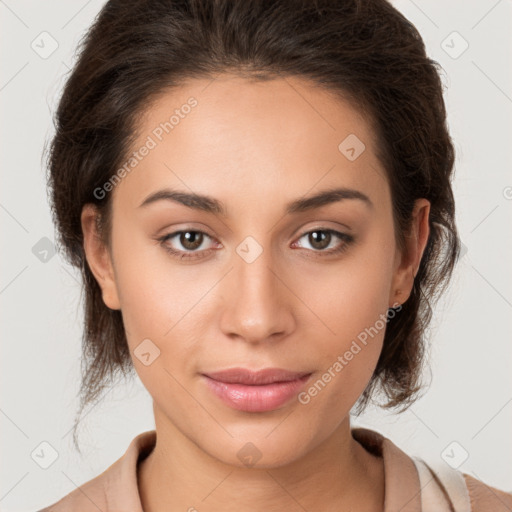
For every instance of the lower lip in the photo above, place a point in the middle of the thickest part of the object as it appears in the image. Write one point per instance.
(256, 398)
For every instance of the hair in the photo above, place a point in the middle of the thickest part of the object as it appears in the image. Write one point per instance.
(363, 50)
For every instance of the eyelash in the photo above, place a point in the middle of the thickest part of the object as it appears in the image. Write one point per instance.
(348, 239)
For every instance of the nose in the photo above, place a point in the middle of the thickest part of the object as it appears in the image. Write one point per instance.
(259, 307)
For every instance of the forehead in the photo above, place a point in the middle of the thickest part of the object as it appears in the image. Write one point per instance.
(230, 133)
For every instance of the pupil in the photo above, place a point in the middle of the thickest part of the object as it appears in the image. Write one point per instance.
(191, 239)
(324, 236)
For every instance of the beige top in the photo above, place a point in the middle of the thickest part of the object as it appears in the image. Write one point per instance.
(115, 490)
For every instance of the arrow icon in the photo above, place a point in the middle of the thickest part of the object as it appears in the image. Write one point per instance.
(44, 455)
(44, 250)
(454, 45)
(351, 147)
(146, 352)
(247, 252)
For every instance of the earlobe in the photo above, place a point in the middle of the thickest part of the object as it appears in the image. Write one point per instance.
(98, 256)
(409, 260)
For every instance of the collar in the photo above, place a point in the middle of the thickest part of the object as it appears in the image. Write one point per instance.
(116, 488)
(402, 491)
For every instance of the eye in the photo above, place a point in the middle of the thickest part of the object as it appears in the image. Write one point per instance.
(190, 240)
(321, 239)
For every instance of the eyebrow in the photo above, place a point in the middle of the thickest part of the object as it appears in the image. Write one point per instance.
(210, 205)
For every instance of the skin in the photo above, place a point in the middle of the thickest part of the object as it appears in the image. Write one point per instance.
(255, 147)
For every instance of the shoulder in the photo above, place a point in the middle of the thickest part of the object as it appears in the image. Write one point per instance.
(484, 497)
(88, 496)
(113, 490)
(426, 486)
(459, 491)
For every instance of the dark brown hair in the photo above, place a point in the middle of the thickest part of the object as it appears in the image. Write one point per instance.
(364, 50)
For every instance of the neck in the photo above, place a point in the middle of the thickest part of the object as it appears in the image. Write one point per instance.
(339, 474)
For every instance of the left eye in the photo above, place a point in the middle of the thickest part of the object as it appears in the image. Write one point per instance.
(320, 240)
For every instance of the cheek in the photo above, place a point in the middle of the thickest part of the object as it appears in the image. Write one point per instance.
(153, 294)
(164, 303)
(347, 357)
(350, 297)
(351, 300)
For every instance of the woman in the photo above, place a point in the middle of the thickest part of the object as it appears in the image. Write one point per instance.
(258, 195)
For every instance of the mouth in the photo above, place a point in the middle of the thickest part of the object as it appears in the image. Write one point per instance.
(255, 391)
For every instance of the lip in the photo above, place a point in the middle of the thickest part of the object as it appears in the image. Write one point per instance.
(255, 391)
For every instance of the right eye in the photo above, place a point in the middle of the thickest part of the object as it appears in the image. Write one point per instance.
(191, 240)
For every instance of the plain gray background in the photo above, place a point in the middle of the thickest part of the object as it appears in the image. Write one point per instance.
(467, 411)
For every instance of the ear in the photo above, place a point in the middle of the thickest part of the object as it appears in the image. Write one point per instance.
(98, 256)
(408, 260)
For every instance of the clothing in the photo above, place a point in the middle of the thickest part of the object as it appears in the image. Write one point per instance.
(115, 490)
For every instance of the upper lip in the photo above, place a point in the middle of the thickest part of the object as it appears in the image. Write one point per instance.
(254, 378)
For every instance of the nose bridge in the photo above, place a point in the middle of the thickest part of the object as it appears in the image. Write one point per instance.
(253, 266)
(257, 308)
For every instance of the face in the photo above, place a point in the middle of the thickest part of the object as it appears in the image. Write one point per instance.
(258, 275)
